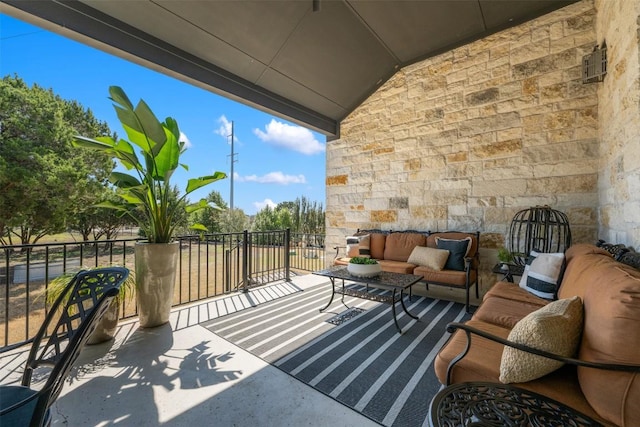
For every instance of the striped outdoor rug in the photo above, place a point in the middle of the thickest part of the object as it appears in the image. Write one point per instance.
(362, 362)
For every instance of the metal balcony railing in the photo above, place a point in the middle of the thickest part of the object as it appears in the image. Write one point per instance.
(209, 265)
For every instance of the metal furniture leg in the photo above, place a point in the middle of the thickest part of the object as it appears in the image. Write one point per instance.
(404, 307)
(393, 309)
(333, 292)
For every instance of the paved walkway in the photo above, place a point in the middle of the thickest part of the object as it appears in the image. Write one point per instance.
(182, 374)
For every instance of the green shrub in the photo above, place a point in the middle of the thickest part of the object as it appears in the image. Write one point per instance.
(504, 255)
(362, 260)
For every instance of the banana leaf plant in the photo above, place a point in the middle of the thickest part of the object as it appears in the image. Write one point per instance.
(146, 192)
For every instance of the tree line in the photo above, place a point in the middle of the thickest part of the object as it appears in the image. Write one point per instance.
(49, 187)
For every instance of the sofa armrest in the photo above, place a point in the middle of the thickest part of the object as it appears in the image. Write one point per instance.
(470, 330)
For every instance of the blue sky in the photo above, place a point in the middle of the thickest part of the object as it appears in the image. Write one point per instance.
(276, 160)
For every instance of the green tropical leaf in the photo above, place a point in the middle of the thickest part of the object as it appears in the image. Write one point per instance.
(111, 205)
(199, 227)
(118, 96)
(127, 155)
(123, 180)
(201, 204)
(94, 144)
(195, 183)
(166, 159)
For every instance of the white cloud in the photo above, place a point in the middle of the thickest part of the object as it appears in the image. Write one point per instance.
(266, 202)
(291, 137)
(272, 178)
(183, 137)
(224, 130)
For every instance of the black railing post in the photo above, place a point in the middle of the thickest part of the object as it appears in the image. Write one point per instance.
(227, 269)
(287, 254)
(245, 260)
(7, 270)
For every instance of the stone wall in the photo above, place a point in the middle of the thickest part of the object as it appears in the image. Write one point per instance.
(619, 122)
(464, 140)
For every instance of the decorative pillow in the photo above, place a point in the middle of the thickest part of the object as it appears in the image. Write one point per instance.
(555, 328)
(542, 273)
(432, 258)
(458, 250)
(358, 246)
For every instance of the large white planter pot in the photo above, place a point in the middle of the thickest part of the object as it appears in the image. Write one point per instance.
(156, 267)
(364, 270)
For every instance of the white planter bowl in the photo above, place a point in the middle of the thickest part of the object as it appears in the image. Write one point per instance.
(364, 270)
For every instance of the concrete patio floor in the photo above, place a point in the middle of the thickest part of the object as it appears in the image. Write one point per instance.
(182, 374)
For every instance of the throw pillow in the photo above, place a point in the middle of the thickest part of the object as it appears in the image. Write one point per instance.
(458, 250)
(358, 246)
(555, 328)
(432, 258)
(542, 274)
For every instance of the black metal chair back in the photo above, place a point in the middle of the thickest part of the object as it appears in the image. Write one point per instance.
(78, 310)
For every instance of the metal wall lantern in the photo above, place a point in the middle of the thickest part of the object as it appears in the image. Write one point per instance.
(594, 65)
(539, 228)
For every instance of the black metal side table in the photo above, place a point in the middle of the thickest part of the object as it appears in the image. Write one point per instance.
(513, 270)
(493, 404)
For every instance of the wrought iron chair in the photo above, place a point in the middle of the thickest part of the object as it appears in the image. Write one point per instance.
(73, 316)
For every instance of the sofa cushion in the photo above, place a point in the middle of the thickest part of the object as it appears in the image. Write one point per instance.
(611, 335)
(562, 385)
(396, 266)
(482, 363)
(358, 246)
(447, 277)
(582, 261)
(555, 327)
(584, 249)
(376, 245)
(432, 258)
(458, 250)
(513, 292)
(503, 312)
(398, 246)
(542, 274)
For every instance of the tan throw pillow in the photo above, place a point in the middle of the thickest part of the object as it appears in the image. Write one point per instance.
(432, 258)
(555, 328)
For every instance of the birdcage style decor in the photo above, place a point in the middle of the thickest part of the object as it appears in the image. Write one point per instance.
(540, 229)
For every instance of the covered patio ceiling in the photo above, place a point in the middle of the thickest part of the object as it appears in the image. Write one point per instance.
(309, 61)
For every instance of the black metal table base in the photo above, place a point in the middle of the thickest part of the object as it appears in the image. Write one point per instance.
(494, 404)
(390, 299)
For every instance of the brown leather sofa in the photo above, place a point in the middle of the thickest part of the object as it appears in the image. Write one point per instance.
(603, 379)
(393, 249)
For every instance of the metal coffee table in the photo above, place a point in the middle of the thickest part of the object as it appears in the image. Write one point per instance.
(397, 283)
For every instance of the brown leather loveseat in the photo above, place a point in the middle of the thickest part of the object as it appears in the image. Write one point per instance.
(396, 252)
(602, 378)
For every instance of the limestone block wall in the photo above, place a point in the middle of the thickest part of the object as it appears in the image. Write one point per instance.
(619, 122)
(464, 140)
